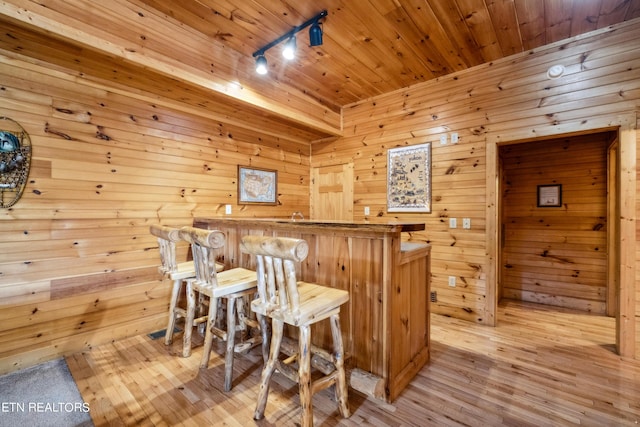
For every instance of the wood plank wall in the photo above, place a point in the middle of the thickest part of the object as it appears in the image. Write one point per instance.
(556, 255)
(504, 101)
(77, 263)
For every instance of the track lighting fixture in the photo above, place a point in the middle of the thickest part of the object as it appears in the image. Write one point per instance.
(315, 39)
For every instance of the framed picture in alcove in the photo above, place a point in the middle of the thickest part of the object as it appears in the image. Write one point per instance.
(550, 196)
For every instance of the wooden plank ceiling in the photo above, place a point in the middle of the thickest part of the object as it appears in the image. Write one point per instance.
(198, 53)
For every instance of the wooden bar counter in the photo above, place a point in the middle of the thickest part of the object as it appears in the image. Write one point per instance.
(386, 321)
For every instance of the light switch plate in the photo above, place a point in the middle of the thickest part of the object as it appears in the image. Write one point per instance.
(454, 138)
(453, 223)
(227, 209)
(366, 210)
(452, 281)
(443, 139)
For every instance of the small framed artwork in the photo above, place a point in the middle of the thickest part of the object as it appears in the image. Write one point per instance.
(550, 196)
(257, 186)
(409, 179)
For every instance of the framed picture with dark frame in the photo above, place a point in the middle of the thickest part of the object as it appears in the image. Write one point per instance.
(257, 186)
(550, 196)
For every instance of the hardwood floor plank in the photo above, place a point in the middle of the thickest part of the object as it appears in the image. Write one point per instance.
(541, 366)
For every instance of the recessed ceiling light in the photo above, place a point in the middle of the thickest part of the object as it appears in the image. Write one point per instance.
(555, 71)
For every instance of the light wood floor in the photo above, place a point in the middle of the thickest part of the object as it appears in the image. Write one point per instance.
(539, 367)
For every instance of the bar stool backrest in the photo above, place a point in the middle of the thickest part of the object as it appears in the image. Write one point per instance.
(203, 247)
(276, 259)
(167, 238)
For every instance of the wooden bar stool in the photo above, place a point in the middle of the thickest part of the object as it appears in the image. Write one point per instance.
(170, 268)
(179, 272)
(233, 285)
(286, 300)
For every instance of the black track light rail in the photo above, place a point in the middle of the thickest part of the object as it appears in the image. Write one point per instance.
(290, 34)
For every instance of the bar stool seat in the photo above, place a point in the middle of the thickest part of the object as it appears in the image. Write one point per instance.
(284, 299)
(177, 272)
(184, 270)
(234, 285)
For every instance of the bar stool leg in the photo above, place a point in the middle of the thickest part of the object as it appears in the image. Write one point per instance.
(342, 396)
(265, 331)
(188, 320)
(304, 375)
(269, 367)
(231, 333)
(208, 334)
(241, 316)
(200, 312)
(168, 336)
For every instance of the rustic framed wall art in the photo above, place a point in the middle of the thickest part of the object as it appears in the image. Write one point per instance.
(409, 179)
(257, 186)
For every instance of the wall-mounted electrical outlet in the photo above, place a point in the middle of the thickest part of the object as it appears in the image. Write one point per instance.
(452, 281)
(227, 209)
(366, 210)
(454, 138)
(443, 139)
(453, 223)
(466, 223)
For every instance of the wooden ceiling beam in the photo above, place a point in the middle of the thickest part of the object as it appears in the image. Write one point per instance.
(125, 31)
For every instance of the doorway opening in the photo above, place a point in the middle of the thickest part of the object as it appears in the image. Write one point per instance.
(620, 226)
(554, 222)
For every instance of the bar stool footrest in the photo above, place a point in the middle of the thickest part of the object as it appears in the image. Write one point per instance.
(245, 346)
(320, 358)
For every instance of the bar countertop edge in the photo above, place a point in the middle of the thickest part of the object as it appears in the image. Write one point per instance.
(383, 227)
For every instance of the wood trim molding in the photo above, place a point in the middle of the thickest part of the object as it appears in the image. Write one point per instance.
(493, 234)
(625, 318)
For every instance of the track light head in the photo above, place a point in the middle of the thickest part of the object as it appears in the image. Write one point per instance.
(315, 34)
(261, 65)
(289, 51)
